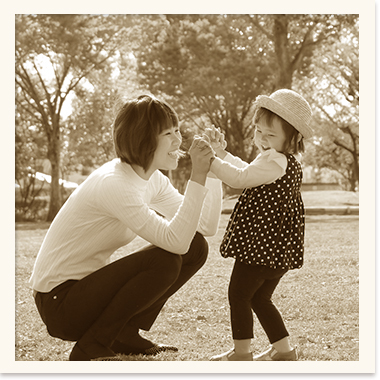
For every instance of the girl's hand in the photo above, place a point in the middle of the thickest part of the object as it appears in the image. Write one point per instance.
(201, 155)
(216, 138)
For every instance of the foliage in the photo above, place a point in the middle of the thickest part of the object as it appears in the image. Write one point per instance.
(89, 126)
(89, 136)
(54, 53)
(207, 67)
(29, 205)
(212, 67)
(294, 39)
(29, 149)
(335, 103)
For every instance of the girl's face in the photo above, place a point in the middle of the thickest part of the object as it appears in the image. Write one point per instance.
(167, 152)
(270, 136)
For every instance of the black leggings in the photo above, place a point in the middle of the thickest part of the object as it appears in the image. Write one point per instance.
(251, 288)
(128, 292)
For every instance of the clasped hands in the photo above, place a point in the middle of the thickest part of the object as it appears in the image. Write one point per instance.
(204, 148)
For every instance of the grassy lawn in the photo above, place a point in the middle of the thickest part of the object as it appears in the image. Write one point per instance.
(320, 302)
(330, 198)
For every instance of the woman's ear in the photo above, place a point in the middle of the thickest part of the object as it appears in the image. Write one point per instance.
(299, 137)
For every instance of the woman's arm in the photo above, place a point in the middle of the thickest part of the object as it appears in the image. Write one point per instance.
(212, 208)
(131, 206)
(168, 200)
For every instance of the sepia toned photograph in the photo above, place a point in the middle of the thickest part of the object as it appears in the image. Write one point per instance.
(187, 190)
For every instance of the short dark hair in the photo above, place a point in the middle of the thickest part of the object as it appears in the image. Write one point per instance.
(137, 126)
(291, 146)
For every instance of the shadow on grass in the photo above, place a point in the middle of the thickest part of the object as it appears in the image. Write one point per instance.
(331, 218)
(30, 226)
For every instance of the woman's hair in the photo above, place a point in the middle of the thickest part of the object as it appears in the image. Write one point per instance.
(291, 144)
(137, 126)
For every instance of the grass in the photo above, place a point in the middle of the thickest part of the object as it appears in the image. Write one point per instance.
(330, 198)
(319, 303)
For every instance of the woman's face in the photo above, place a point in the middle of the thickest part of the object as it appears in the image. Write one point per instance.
(167, 152)
(270, 136)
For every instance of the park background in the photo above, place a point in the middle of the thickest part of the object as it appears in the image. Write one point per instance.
(74, 71)
(86, 110)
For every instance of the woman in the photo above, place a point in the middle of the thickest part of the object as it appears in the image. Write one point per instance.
(80, 295)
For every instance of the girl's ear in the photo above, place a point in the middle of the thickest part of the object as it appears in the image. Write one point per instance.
(299, 137)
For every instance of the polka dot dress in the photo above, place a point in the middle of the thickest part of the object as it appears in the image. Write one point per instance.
(268, 222)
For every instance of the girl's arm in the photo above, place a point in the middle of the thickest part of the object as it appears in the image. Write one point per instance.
(265, 169)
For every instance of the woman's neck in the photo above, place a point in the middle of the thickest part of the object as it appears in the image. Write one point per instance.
(142, 173)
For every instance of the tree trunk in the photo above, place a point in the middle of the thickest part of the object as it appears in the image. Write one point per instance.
(284, 70)
(355, 181)
(55, 189)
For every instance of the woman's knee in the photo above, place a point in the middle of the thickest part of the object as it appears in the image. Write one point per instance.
(169, 265)
(199, 249)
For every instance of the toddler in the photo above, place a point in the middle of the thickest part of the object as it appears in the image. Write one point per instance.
(265, 233)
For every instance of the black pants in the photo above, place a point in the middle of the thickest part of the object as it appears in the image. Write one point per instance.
(128, 292)
(251, 288)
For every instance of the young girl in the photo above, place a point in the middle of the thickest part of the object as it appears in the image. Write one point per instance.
(265, 233)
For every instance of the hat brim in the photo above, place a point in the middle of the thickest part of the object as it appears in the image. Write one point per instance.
(277, 108)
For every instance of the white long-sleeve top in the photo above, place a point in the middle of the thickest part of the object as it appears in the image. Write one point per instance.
(266, 168)
(109, 209)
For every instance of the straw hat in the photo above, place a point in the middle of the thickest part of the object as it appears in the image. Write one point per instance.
(292, 107)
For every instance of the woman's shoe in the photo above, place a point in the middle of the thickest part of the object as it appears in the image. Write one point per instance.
(157, 348)
(93, 352)
(125, 349)
(108, 359)
(231, 355)
(273, 355)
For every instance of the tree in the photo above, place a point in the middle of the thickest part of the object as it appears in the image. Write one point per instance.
(54, 54)
(88, 136)
(208, 68)
(88, 139)
(294, 38)
(29, 149)
(335, 102)
(212, 67)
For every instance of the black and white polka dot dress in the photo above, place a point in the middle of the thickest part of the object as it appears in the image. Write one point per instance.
(268, 222)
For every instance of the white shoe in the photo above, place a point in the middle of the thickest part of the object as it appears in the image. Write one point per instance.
(273, 355)
(232, 356)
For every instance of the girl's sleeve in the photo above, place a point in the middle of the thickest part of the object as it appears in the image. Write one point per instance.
(265, 169)
(235, 161)
(168, 200)
(174, 235)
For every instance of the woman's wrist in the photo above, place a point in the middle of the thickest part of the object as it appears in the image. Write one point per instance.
(199, 178)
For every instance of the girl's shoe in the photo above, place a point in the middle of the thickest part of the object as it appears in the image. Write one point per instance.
(273, 355)
(231, 355)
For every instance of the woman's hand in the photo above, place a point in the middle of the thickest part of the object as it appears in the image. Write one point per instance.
(201, 155)
(216, 138)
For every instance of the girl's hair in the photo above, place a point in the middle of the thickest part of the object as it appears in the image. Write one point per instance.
(291, 144)
(137, 126)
